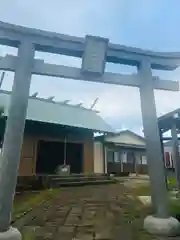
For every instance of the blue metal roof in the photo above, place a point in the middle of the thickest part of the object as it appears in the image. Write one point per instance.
(47, 111)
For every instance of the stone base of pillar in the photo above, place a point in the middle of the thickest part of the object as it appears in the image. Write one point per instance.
(162, 226)
(11, 234)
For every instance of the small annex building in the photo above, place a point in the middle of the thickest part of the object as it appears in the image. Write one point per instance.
(120, 153)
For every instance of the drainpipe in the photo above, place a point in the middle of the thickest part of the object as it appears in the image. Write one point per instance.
(162, 149)
(65, 148)
(175, 153)
(104, 149)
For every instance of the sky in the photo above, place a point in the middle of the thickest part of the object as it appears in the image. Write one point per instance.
(146, 24)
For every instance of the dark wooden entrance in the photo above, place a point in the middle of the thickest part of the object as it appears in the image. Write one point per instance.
(51, 154)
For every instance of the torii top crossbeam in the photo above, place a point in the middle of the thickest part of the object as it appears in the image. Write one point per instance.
(52, 42)
(98, 50)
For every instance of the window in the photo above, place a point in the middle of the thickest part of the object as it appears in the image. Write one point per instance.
(116, 157)
(144, 160)
(130, 157)
(124, 157)
(138, 159)
(110, 156)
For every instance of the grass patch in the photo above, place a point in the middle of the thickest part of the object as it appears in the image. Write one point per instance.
(175, 208)
(29, 200)
(174, 204)
(142, 190)
(133, 218)
(136, 211)
(171, 182)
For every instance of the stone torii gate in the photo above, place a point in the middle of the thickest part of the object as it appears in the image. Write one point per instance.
(95, 52)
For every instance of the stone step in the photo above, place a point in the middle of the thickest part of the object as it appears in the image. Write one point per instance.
(74, 175)
(83, 183)
(46, 181)
(82, 178)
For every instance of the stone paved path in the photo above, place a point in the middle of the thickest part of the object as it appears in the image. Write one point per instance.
(85, 213)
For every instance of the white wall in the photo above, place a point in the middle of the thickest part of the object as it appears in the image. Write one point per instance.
(167, 149)
(98, 158)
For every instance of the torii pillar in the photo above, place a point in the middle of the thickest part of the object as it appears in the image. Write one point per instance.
(14, 136)
(161, 223)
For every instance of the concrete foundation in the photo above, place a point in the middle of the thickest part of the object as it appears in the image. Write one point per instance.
(11, 234)
(162, 226)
